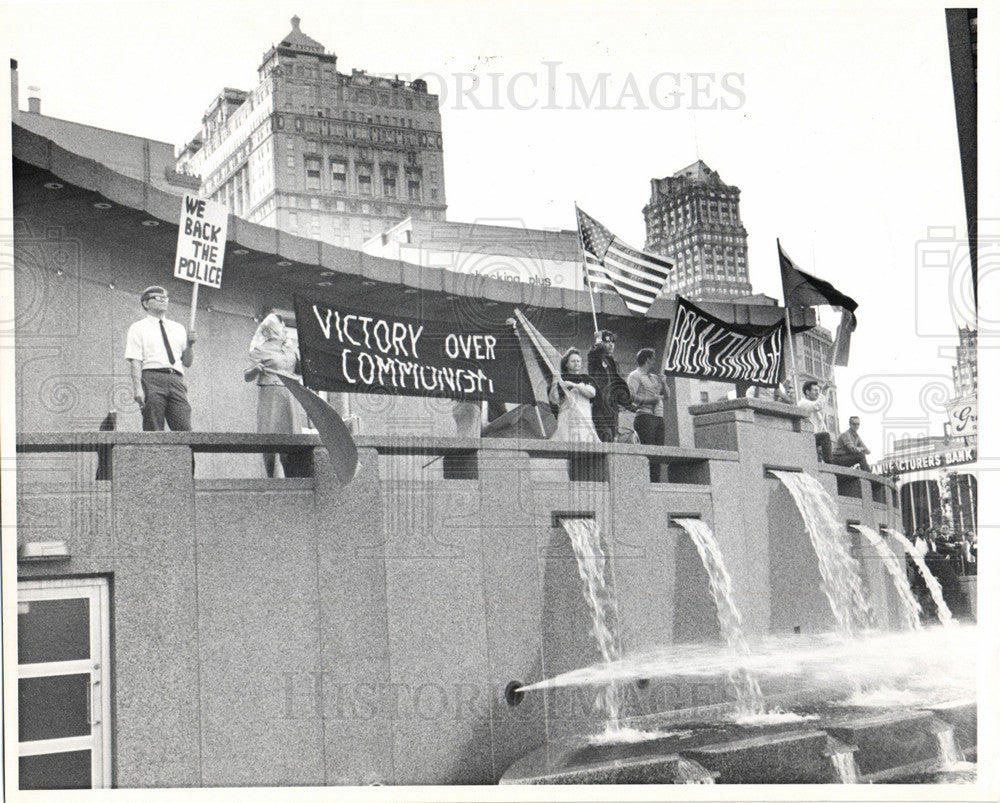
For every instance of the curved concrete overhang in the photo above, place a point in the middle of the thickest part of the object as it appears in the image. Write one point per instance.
(146, 218)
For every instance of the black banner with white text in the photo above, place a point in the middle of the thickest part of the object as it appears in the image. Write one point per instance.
(700, 345)
(350, 350)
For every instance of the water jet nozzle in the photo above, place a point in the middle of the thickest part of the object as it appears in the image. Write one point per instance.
(513, 694)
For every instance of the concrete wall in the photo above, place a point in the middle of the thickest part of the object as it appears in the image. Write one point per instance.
(283, 632)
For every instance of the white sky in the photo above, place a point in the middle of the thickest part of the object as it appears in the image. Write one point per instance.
(845, 146)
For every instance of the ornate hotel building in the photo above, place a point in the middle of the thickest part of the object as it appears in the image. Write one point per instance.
(319, 153)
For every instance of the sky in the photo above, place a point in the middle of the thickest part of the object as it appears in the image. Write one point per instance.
(836, 120)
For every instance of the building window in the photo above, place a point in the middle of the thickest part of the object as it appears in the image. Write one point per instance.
(63, 678)
(413, 190)
(364, 180)
(312, 173)
(389, 181)
(338, 175)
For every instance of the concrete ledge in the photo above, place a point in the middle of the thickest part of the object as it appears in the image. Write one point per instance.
(33, 442)
(759, 406)
(775, 758)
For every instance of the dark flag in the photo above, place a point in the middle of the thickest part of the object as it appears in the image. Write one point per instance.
(701, 345)
(802, 289)
(332, 430)
(842, 345)
(637, 276)
(541, 361)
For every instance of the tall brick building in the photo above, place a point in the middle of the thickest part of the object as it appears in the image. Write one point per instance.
(319, 153)
(693, 217)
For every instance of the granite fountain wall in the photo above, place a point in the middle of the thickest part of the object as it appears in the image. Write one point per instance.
(289, 632)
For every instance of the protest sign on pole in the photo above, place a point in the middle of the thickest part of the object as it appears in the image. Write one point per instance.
(201, 244)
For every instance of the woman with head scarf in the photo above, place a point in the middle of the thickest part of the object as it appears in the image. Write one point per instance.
(572, 391)
(272, 350)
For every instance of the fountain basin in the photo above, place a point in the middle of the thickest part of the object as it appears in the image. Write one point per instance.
(893, 741)
(887, 747)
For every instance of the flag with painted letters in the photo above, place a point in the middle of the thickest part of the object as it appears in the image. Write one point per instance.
(637, 276)
(701, 345)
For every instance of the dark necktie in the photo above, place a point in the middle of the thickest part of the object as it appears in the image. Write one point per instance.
(170, 351)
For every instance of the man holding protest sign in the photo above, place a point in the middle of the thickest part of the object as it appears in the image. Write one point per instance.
(152, 347)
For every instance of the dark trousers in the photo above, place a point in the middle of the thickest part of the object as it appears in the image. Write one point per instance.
(605, 422)
(650, 430)
(849, 461)
(824, 448)
(294, 464)
(166, 402)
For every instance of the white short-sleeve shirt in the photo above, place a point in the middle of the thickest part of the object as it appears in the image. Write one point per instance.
(144, 342)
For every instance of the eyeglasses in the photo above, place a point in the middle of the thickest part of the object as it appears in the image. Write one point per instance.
(157, 298)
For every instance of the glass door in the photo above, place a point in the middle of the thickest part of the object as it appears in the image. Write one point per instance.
(64, 703)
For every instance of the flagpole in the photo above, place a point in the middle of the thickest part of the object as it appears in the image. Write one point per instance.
(791, 354)
(583, 257)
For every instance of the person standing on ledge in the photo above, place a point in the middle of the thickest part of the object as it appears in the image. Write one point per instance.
(850, 449)
(648, 391)
(157, 351)
(612, 391)
(814, 405)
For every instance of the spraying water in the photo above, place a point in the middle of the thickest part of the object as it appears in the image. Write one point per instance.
(839, 571)
(585, 537)
(944, 614)
(748, 694)
(911, 608)
(909, 668)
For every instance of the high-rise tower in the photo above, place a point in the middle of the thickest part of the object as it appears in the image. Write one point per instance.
(694, 217)
(318, 153)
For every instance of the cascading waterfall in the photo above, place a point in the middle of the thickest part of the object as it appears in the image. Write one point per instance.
(897, 571)
(949, 752)
(933, 586)
(748, 693)
(839, 571)
(585, 537)
(844, 764)
(690, 772)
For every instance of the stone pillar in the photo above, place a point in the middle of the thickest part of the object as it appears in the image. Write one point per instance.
(762, 537)
(155, 612)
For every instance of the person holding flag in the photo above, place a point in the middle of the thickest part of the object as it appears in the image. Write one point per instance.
(612, 390)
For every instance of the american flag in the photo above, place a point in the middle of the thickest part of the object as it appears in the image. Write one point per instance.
(636, 276)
